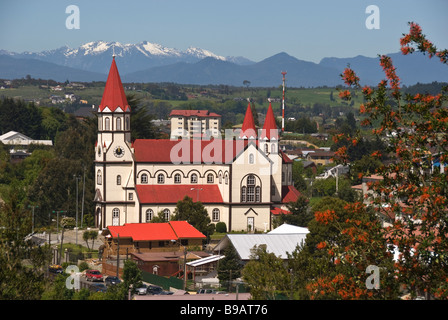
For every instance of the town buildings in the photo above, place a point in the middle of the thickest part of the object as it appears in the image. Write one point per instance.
(194, 124)
(241, 180)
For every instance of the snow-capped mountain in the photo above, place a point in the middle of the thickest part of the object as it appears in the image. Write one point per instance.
(95, 56)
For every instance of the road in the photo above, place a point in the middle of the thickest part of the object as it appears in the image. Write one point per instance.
(70, 236)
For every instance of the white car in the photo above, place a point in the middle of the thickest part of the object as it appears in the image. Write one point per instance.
(142, 290)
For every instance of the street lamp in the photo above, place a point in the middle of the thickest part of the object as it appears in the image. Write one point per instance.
(32, 218)
(197, 197)
(77, 178)
(57, 222)
(185, 262)
(118, 252)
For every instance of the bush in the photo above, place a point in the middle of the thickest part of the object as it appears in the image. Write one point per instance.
(83, 266)
(221, 227)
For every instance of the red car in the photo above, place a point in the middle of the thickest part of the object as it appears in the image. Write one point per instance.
(94, 275)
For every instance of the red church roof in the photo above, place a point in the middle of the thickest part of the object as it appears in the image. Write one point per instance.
(269, 130)
(197, 113)
(173, 230)
(289, 194)
(248, 130)
(207, 193)
(188, 150)
(114, 96)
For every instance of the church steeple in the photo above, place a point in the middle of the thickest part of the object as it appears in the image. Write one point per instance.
(114, 112)
(269, 131)
(269, 134)
(248, 130)
(114, 98)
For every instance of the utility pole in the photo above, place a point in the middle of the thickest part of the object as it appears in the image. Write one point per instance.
(283, 102)
(76, 179)
(83, 192)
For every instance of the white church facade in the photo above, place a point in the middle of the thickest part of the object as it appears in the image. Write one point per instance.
(242, 181)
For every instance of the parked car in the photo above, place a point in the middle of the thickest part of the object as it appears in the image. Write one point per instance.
(55, 268)
(156, 290)
(210, 291)
(142, 290)
(98, 287)
(111, 280)
(94, 275)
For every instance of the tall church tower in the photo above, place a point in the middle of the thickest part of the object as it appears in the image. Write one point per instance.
(269, 144)
(269, 134)
(113, 155)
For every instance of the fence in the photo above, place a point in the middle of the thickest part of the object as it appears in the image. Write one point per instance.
(165, 282)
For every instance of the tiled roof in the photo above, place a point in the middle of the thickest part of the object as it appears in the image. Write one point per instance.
(159, 193)
(248, 130)
(289, 194)
(200, 151)
(277, 211)
(196, 113)
(173, 230)
(114, 96)
(269, 130)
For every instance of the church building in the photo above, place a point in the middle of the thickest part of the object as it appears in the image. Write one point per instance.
(242, 180)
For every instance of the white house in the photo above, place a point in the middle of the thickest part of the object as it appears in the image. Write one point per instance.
(19, 139)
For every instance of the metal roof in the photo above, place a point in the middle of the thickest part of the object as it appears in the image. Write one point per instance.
(279, 244)
(289, 229)
(205, 260)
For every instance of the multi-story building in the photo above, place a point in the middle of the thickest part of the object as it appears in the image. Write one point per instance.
(242, 181)
(195, 124)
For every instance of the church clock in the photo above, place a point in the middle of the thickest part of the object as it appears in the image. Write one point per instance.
(119, 151)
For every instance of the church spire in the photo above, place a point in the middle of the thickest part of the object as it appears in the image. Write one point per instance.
(269, 130)
(114, 98)
(248, 130)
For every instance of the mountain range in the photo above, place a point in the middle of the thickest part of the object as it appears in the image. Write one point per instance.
(149, 62)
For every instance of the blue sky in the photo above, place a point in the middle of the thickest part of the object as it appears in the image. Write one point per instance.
(255, 29)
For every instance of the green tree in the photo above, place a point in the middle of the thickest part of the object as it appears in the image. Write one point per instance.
(142, 127)
(22, 264)
(229, 267)
(300, 214)
(89, 235)
(195, 214)
(266, 275)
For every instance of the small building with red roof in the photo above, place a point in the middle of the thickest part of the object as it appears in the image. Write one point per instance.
(241, 181)
(156, 247)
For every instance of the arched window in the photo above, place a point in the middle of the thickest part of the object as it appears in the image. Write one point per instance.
(166, 214)
(251, 158)
(149, 215)
(250, 189)
(144, 178)
(115, 217)
(226, 179)
(160, 179)
(107, 123)
(215, 214)
(100, 123)
(118, 180)
(127, 123)
(266, 148)
(210, 178)
(220, 178)
(177, 178)
(99, 177)
(273, 148)
(194, 178)
(118, 123)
